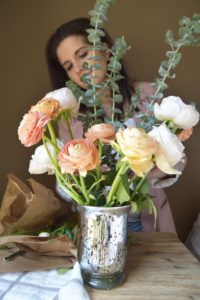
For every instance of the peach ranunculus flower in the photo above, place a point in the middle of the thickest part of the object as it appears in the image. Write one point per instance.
(49, 106)
(31, 128)
(185, 134)
(104, 132)
(78, 155)
(138, 149)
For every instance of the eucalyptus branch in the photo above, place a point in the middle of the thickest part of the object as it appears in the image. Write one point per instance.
(98, 16)
(188, 31)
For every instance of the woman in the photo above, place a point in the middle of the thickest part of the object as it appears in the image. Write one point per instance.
(58, 46)
(66, 51)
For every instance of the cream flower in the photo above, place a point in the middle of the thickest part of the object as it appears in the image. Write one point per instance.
(66, 99)
(78, 155)
(173, 108)
(138, 149)
(170, 150)
(40, 162)
(103, 132)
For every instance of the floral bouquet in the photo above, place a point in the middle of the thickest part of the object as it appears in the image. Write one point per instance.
(81, 165)
(106, 163)
(105, 159)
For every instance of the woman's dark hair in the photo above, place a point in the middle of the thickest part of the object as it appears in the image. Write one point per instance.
(78, 27)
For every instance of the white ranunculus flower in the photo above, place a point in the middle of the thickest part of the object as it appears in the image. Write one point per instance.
(66, 99)
(40, 162)
(170, 150)
(172, 108)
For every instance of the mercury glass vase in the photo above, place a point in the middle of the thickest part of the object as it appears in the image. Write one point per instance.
(102, 246)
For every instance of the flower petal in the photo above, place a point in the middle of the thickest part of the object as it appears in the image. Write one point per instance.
(163, 164)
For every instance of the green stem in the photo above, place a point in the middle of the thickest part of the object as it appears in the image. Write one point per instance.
(51, 132)
(113, 105)
(84, 190)
(66, 119)
(138, 186)
(95, 184)
(53, 138)
(73, 194)
(116, 182)
(50, 142)
(99, 155)
(76, 180)
(133, 178)
(54, 162)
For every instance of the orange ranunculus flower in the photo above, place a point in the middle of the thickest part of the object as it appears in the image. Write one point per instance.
(31, 128)
(78, 155)
(49, 106)
(104, 132)
(138, 149)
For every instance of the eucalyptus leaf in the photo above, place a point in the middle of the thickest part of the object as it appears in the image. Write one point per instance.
(118, 98)
(116, 110)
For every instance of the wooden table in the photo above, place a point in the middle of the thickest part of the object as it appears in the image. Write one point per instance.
(160, 267)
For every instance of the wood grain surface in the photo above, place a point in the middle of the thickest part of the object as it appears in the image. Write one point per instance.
(159, 267)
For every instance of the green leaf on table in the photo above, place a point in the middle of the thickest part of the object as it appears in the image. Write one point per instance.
(62, 271)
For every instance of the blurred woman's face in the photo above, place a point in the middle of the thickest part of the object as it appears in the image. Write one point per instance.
(73, 52)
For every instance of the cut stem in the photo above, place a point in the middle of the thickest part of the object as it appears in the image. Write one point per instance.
(123, 168)
(138, 186)
(66, 119)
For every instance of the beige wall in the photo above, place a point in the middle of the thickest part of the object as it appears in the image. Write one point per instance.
(24, 29)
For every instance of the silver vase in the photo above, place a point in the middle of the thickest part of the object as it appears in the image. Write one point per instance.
(102, 248)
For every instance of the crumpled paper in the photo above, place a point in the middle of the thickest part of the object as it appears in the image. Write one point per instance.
(31, 209)
(58, 246)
